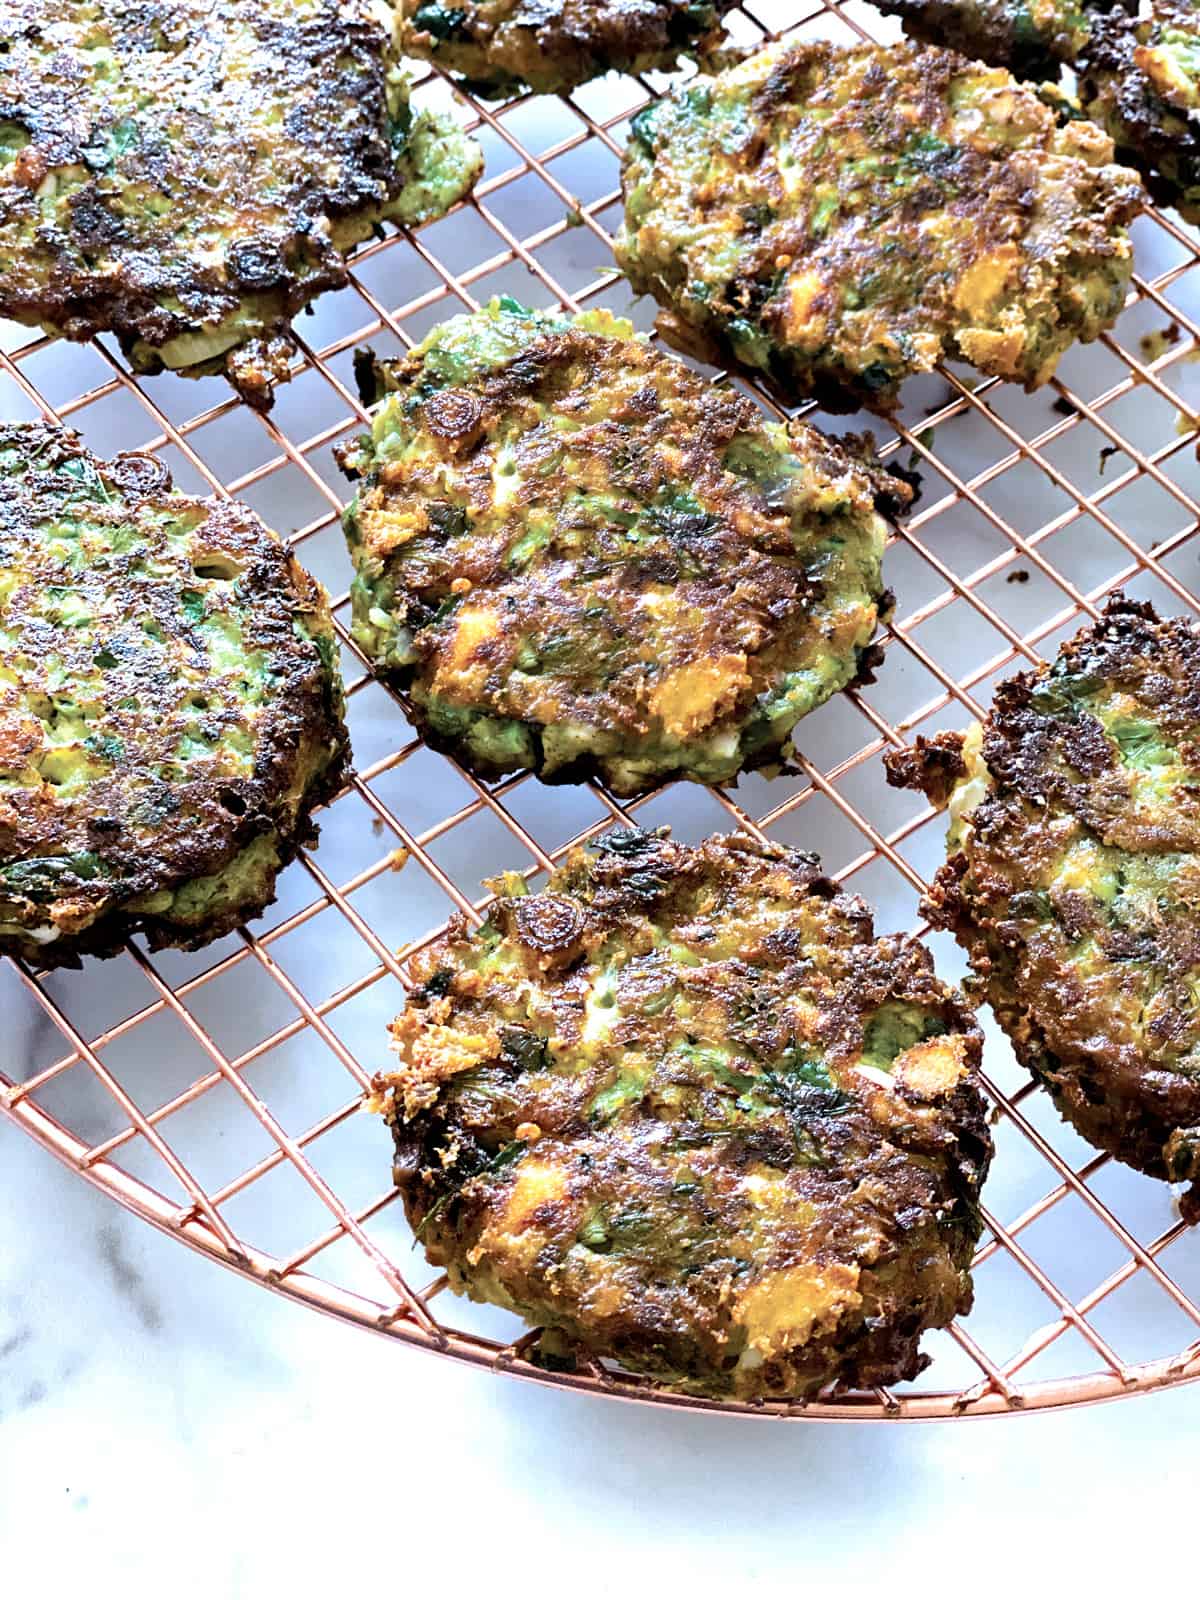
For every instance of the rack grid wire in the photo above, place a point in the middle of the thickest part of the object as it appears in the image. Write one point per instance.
(214, 1097)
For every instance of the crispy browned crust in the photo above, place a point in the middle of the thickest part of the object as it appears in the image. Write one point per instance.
(499, 46)
(150, 817)
(891, 207)
(716, 1184)
(638, 608)
(1003, 33)
(1108, 1040)
(110, 935)
(202, 179)
(1158, 134)
(932, 765)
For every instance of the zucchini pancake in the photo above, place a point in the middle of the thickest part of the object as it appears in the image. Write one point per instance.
(552, 46)
(837, 220)
(170, 705)
(1138, 75)
(683, 1110)
(188, 174)
(1032, 38)
(1073, 878)
(1141, 81)
(580, 558)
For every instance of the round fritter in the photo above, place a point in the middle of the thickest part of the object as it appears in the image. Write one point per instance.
(189, 173)
(837, 220)
(502, 46)
(170, 705)
(1142, 82)
(579, 557)
(1073, 878)
(1032, 38)
(682, 1109)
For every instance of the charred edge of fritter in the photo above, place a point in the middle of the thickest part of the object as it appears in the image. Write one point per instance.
(1128, 636)
(1128, 630)
(142, 324)
(307, 697)
(253, 368)
(563, 53)
(999, 37)
(110, 933)
(1103, 1097)
(885, 1348)
(134, 311)
(592, 766)
(839, 396)
(1148, 131)
(341, 58)
(931, 766)
(896, 493)
(374, 378)
(1105, 1105)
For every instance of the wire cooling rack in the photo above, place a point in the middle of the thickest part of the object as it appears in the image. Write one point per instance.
(217, 1095)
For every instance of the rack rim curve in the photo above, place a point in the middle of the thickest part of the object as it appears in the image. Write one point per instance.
(198, 1223)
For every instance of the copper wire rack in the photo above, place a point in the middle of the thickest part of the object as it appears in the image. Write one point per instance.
(218, 1094)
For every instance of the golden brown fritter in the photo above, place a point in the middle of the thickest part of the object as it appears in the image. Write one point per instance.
(836, 220)
(188, 174)
(683, 1110)
(1073, 878)
(578, 557)
(170, 705)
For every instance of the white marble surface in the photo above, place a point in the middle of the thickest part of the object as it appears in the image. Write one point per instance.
(168, 1429)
